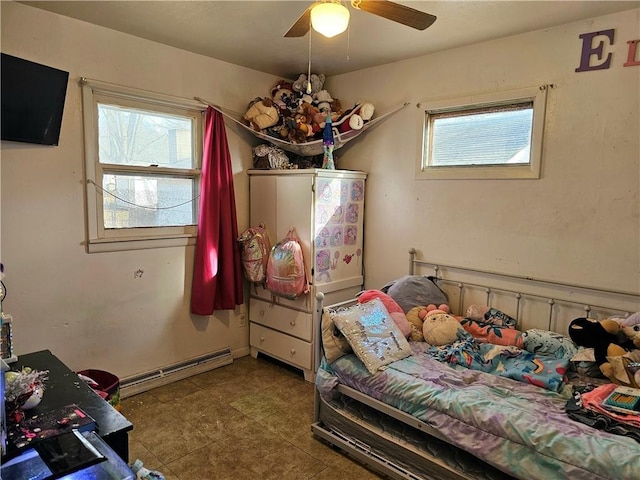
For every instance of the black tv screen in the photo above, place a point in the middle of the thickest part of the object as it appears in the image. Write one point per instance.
(32, 99)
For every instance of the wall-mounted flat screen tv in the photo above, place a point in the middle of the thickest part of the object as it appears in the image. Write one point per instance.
(32, 99)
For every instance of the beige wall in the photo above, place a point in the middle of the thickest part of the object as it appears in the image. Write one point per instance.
(88, 308)
(579, 223)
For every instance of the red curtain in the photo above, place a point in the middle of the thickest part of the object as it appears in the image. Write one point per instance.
(217, 271)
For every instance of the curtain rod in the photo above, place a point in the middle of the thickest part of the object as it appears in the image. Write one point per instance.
(226, 111)
(138, 94)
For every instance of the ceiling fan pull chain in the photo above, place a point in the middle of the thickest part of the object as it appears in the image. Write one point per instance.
(309, 72)
(348, 41)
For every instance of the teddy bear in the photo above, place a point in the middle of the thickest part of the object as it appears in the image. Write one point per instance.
(612, 351)
(440, 328)
(416, 316)
(300, 125)
(261, 114)
(291, 130)
(303, 123)
(318, 119)
(323, 100)
(309, 86)
(336, 108)
(300, 85)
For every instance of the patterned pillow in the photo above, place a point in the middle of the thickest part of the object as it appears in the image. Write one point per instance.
(334, 344)
(372, 334)
(392, 307)
(545, 342)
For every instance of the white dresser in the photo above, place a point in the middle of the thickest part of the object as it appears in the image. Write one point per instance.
(326, 207)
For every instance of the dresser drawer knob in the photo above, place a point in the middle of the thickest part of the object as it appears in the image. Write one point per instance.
(293, 351)
(261, 339)
(292, 323)
(261, 313)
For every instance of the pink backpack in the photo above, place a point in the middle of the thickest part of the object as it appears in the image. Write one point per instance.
(254, 252)
(286, 272)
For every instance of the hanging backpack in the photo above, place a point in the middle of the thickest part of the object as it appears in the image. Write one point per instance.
(286, 272)
(254, 253)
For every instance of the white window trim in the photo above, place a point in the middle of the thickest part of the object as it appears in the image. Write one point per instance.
(98, 238)
(538, 95)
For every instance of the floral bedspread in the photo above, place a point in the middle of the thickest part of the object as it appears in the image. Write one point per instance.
(510, 361)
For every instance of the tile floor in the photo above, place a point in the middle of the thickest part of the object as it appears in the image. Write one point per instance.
(248, 420)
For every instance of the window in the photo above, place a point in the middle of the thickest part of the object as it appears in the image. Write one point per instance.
(143, 156)
(497, 135)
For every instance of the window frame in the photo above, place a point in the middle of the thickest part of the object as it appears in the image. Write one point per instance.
(535, 95)
(99, 238)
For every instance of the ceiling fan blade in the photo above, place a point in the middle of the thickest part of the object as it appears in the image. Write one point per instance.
(302, 25)
(396, 12)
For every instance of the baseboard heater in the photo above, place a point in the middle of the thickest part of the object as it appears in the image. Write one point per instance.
(143, 382)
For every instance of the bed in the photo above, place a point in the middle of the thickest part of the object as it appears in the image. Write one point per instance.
(421, 418)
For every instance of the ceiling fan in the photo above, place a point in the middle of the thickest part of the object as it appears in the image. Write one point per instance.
(330, 17)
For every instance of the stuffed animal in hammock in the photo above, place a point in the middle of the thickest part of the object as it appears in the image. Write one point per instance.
(261, 114)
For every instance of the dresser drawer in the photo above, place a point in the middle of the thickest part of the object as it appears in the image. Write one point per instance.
(292, 322)
(288, 349)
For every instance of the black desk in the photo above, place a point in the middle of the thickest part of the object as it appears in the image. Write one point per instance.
(64, 387)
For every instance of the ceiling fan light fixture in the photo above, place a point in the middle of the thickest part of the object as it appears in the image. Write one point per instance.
(329, 19)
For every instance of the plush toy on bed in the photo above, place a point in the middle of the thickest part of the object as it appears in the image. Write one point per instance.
(440, 328)
(416, 324)
(612, 352)
(416, 317)
(395, 311)
(630, 326)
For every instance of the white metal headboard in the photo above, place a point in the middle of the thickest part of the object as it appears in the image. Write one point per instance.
(534, 303)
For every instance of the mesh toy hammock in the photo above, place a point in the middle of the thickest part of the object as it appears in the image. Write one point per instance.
(307, 149)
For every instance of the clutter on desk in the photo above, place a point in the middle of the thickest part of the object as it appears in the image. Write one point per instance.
(25, 430)
(23, 389)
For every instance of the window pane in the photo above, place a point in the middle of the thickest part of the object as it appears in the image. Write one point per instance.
(486, 137)
(127, 136)
(144, 201)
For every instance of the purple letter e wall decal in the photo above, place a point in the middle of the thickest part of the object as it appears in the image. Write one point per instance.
(589, 49)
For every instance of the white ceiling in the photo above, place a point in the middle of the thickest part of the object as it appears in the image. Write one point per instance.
(250, 33)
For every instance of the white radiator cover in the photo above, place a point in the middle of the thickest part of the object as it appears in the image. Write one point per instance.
(143, 382)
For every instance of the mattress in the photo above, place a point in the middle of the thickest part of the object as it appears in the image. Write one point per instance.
(517, 428)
